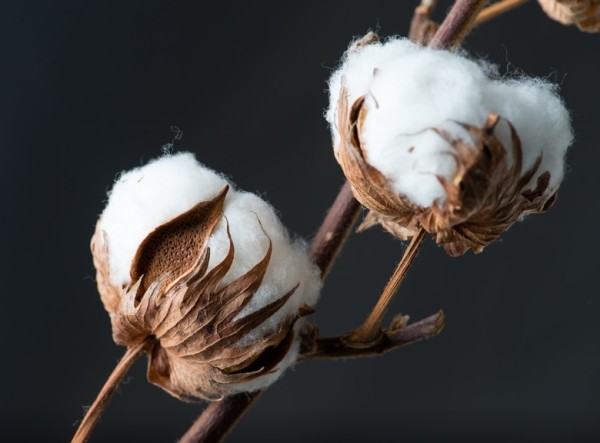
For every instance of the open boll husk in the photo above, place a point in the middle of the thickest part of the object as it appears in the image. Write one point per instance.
(206, 338)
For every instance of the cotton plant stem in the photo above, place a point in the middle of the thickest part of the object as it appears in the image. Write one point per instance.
(457, 24)
(334, 230)
(497, 9)
(219, 418)
(95, 411)
(371, 331)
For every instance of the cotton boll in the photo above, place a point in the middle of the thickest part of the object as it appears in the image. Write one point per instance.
(412, 126)
(206, 273)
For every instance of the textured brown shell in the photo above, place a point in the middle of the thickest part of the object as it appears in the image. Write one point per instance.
(484, 198)
(201, 347)
(583, 13)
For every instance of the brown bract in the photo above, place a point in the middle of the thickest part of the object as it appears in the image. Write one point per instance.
(200, 346)
(486, 195)
(422, 28)
(583, 13)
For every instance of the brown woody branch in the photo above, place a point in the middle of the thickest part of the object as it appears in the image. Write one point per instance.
(334, 230)
(393, 338)
(457, 24)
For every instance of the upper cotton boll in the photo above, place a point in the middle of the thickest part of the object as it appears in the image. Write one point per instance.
(424, 119)
(176, 233)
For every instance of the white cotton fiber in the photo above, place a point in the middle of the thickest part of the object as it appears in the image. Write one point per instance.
(148, 196)
(410, 89)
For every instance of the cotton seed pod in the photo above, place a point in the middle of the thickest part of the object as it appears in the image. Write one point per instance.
(206, 273)
(583, 13)
(430, 139)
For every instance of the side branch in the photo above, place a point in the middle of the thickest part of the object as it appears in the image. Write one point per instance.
(497, 9)
(337, 348)
(371, 328)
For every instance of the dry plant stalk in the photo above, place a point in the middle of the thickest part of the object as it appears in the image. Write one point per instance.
(423, 28)
(371, 330)
(457, 24)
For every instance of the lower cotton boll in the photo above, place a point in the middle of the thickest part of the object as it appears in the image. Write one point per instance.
(204, 273)
(432, 140)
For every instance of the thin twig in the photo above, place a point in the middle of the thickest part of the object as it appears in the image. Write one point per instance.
(457, 24)
(371, 328)
(337, 348)
(95, 411)
(497, 9)
(219, 418)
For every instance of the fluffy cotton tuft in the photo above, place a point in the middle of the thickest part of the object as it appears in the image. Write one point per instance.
(149, 196)
(410, 89)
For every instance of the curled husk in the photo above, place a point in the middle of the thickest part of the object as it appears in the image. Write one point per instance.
(487, 194)
(199, 345)
(585, 14)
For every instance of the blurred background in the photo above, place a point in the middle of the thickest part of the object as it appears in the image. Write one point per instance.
(92, 88)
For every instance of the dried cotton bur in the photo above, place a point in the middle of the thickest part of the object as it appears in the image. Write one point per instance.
(431, 140)
(205, 275)
(585, 14)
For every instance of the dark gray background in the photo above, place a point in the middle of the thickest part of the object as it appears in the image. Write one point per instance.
(91, 88)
